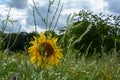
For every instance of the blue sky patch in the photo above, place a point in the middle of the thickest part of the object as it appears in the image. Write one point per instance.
(2, 1)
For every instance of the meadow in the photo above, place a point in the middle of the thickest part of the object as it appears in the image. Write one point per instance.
(89, 47)
(18, 67)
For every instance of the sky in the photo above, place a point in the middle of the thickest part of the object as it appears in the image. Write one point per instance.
(22, 11)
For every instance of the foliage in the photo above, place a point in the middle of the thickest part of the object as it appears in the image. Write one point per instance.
(52, 17)
(18, 66)
(21, 42)
(85, 33)
(4, 24)
(88, 32)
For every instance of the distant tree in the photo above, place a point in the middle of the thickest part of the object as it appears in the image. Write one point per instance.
(103, 34)
(52, 33)
(21, 42)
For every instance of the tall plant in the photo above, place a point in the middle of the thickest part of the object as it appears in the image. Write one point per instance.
(92, 33)
(50, 21)
(3, 35)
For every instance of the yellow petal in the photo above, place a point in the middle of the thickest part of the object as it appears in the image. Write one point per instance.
(39, 60)
(33, 59)
(55, 40)
(35, 51)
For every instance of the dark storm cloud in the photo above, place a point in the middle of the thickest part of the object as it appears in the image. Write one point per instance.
(114, 6)
(19, 4)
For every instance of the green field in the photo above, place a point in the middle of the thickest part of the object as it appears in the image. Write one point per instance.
(90, 44)
(18, 66)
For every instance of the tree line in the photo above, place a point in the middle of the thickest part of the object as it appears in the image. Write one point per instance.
(85, 32)
(90, 33)
(17, 41)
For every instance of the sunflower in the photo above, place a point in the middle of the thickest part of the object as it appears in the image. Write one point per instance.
(44, 51)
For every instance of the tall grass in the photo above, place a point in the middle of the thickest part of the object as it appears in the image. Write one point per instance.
(18, 67)
(7, 23)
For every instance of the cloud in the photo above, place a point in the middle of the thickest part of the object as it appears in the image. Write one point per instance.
(3, 11)
(42, 8)
(30, 19)
(15, 15)
(77, 5)
(19, 4)
(22, 11)
(114, 6)
(98, 6)
(32, 28)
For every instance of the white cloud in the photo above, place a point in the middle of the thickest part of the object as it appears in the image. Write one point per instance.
(94, 5)
(3, 10)
(24, 15)
(17, 3)
(113, 6)
(14, 13)
(17, 14)
(32, 28)
(38, 2)
(70, 11)
(98, 6)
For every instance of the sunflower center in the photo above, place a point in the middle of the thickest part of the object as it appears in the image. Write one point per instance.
(47, 49)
